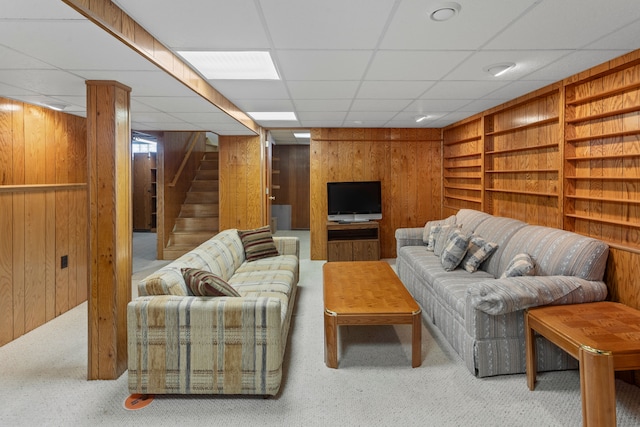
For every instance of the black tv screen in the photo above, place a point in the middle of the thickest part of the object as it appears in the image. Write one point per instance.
(354, 201)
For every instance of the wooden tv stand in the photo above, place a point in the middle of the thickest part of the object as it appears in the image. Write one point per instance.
(356, 241)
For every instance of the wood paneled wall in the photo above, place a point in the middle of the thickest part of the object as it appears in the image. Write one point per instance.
(294, 174)
(565, 156)
(407, 161)
(43, 216)
(241, 182)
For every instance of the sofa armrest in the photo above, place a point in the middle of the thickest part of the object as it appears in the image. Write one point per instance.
(224, 345)
(409, 237)
(287, 245)
(501, 296)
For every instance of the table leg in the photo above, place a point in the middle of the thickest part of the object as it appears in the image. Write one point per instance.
(331, 340)
(530, 356)
(416, 343)
(597, 385)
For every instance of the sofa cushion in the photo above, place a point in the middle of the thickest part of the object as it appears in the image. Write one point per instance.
(258, 243)
(455, 249)
(282, 281)
(442, 238)
(207, 284)
(477, 252)
(520, 265)
(431, 229)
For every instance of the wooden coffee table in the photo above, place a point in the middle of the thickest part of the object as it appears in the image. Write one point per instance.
(366, 293)
(603, 336)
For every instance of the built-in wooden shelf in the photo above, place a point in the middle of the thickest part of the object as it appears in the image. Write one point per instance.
(527, 193)
(462, 167)
(525, 126)
(462, 141)
(604, 157)
(605, 94)
(604, 178)
(604, 220)
(462, 187)
(523, 171)
(466, 199)
(529, 148)
(611, 113)
(461, 156)
(603, 199)
(605, 135)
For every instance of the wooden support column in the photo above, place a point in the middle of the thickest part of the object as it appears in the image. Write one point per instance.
(110, 228)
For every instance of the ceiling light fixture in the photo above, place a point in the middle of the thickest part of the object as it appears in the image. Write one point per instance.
(302, 135)
(273, 115)
(421, 118)
(243, 65)
(496, 70)
(444, 11)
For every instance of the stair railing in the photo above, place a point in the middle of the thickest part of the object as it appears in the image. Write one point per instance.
(192, 143)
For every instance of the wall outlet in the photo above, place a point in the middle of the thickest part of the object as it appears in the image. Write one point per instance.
(64, 261)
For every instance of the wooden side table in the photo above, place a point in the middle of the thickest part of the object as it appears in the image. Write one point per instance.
(603, 336)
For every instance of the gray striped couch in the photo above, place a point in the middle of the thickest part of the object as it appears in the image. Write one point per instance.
(480, 314)
(214, 345)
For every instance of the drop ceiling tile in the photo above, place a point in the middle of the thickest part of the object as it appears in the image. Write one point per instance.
(322, 123)
(326, 24)
(142, 83)
(572, 64)
(430, 106)
(462, 89)
(66, 39)
(12, 60)
(365, 105)
(625, 38)
(322, 89)
(220, 118)
(265, 105)
(414, 65)
(184, 104)
(206, 25)
(371, 116)
(393, 89)
(322, 105)
(477, 23)
(331, 116)
(526, 63)
(37, 9)
(321, 65)
(47, 82)
(567, 24)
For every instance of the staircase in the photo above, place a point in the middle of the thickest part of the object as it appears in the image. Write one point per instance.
(198, 219)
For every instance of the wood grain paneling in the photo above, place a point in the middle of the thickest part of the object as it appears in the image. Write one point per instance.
(110, 237)
(406, 161)
(293, 180)
(42, 193)
(242, 190)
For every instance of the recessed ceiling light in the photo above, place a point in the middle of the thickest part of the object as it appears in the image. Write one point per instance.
(273, 115)
(421, 118)
(496, 70)
(245, 65)
(302, 135)
(444, 11)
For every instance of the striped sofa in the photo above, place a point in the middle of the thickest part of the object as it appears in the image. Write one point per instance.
(481, 314)
(183, 344)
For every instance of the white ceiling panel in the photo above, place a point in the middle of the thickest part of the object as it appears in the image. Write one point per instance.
(414, 65)
(566, 24)
(326, 24)
(477, 23)
(323, 65)
(343, 63)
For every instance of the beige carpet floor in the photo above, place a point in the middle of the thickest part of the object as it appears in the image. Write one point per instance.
(43, 383)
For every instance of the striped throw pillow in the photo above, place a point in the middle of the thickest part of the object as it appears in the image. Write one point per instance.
(477, 252)
(203, 283)
(520, 265)
(258, 243)
(455, 249)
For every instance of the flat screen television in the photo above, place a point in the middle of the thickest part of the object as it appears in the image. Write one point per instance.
(359, 201)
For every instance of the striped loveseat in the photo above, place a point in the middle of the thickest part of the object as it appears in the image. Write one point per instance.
(481, 314)
(184, 344)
